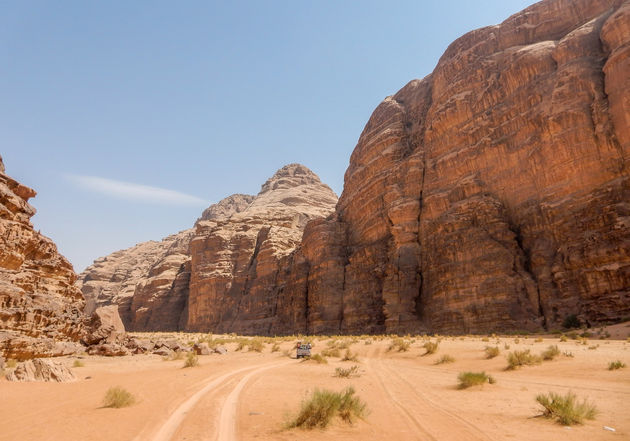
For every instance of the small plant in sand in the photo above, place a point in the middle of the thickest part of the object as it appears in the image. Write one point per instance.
(352, 371)
(399, 344)
(317, 358)
(593, 347)
(256, 345)
(516, 341)
(568, 354)
(192, 360)
(618, 364)
(506, 347)
(117, 397)
(517, 359)
(469, 379)
(550, 353)
(331, 352)
(349, 356)
(492, 351)
(430, 347)
(445, 359)
(565, 408)
(78, 364)
(323, 405)
(275, 347)
(538, 340)
(563, 338)
(485, 339)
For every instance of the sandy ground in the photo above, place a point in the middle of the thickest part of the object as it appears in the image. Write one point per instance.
(250, 395)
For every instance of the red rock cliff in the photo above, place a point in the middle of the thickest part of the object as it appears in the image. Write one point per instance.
(493, 194)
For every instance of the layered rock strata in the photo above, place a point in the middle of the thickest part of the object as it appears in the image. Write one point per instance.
(493, 194)
(40, 308)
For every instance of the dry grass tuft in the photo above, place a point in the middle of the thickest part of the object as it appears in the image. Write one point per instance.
(192, 360)
(492, 351)
(78, 364)
(399, 344)
(566, 409)
(349, 356)
(352, 371)
(323, 405)
(117, 397)
(517, 359)
(430, 347)
(318, 358)
(618, 364)
(469, 379)
(445, 359)
(550, 353)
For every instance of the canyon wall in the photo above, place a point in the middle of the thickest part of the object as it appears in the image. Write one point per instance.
(40, 308)
(494, 194)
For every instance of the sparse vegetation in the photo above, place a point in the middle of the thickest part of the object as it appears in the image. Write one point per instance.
(565, 408)
(78, 364)
(347, 372)
(117, 397)
(469, 379)
(445, 359)
(323, 405)
(331, 352)
(256, 345)
(517, 359)
(550, 353)
(593, 347)
(430, 347)
(318, 358)
(349, 356)
(618, 364)
(563, 338)
(399, 344)
(538, 340)
(192, 360)
(275, 347)
(492, 351)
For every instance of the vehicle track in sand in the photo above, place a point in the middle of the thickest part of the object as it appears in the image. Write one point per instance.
(226, 424)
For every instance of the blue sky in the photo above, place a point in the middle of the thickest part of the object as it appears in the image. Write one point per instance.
(129, 118)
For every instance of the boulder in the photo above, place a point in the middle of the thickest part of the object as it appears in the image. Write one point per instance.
(39, 369)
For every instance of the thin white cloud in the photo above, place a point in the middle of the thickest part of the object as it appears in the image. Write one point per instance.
(135, 192)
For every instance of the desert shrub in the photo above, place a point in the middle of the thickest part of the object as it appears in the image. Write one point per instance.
(368, 342)
(349, 356)
(242, 344)
(430, 347)
(538, 340)
(318, 358)
(469, 379)
(78, 364)
(117, 397)
(323, 405)
(563, 338)
(399, 344)
(618, 364)
(550, 353)
(571, 321)
(565, 408)
(593, 347)
(348, 372)
(256, 345)
(491, 351)
(506, 347)
(485, 339)
(275, 347)
(192, 360)
(517, 359)
(331, 352)
(445, 359)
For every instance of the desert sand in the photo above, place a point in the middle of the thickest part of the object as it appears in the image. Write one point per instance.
(250, 395)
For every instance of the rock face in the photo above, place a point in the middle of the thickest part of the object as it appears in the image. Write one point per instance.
(40, 308)
(236, 261)
(41, 370)
(493, 194)
(199, 278)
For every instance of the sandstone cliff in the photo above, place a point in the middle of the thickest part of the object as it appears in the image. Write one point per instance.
(149, 282)
(492, 194)
(40, 308)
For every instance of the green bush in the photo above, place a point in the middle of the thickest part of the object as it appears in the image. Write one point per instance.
(551, 352)
(566, 409)
(323, 405)
(492, 351)
(618, 364)
(445, 359)
(192, 360)
(117, 397)
(469, 379)
(517, 359)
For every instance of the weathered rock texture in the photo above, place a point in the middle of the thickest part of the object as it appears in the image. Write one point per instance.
(40, 308)
(236, 260)
(41, 370)
(492, 194)
(149, 282)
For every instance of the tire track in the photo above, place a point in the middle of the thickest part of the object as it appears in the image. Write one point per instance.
(170, 426)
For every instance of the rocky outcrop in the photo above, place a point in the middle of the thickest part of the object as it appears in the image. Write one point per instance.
(493, 194)
(149, 282)
(40, 308)
(236, 261)
(41, 370)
